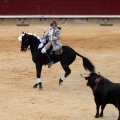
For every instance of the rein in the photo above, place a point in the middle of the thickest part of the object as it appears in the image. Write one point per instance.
(97, 81)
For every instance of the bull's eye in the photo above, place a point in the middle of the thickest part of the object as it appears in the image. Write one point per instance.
(87, 78)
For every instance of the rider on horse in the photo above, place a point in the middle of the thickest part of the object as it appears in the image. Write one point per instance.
(53, 37)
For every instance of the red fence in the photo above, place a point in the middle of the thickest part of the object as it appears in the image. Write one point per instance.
(60, 7)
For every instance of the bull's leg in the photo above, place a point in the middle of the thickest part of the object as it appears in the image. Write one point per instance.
(118, 105)
(102, 108)
(97, 106)
(67, 72)
(97, 111)
(38, 74)
(119, 115)
(119, 112)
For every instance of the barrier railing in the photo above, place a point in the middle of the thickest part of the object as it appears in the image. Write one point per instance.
(59, 16)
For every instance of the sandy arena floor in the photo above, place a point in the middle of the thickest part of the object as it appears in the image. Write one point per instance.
(71, 101)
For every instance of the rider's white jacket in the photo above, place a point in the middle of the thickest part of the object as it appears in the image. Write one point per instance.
(54, 36)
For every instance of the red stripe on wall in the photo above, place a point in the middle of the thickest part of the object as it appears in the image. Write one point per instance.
(62, 7)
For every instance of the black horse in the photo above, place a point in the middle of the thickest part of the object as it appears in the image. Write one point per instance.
(66, 58)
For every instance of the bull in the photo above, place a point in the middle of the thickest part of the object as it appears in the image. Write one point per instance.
(104, 91)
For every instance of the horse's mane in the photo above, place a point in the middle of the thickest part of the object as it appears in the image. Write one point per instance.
(37, 37)
(34, 35)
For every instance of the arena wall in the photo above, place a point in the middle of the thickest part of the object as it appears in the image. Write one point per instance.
(62, 7)
(27, 12)
(66, 21)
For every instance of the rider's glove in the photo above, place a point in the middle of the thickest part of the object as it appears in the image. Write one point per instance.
(40, 45)
(43, 51)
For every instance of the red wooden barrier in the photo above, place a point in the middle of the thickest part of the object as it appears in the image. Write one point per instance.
(60, 7)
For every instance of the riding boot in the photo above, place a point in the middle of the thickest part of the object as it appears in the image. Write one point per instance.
(49, 61)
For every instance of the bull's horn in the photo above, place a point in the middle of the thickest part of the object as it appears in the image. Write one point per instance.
(82, 76)
(99, 73)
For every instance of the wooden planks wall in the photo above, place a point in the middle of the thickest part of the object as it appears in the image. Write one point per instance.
(60, 7)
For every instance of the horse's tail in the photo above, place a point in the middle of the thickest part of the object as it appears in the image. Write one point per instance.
(87, 64)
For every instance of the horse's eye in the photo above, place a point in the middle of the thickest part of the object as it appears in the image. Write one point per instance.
(26, 40)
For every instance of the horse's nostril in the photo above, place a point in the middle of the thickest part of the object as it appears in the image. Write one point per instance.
(23, 49)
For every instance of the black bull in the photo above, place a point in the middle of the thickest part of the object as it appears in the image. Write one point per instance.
(104, 91)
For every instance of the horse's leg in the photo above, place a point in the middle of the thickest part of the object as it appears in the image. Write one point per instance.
(67, 59)
(67, 72)
(38, 74)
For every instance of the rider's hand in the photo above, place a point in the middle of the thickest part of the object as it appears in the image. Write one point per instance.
(43, 51)
(40, 45)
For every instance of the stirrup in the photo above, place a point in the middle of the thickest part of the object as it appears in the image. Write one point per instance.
(50, 64)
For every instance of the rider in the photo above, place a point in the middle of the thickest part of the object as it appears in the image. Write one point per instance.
(53, 37)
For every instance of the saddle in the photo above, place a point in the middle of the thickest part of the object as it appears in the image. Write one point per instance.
(59, 52)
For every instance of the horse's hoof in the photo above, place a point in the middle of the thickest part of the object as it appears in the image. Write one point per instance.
(96, 116)
(40, 86)
(35, 86)
(60, 81)
(101, 115)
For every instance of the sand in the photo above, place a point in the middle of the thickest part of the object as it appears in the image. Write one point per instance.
(73, 100)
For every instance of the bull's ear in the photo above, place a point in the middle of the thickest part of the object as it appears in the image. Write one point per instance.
(22, 32)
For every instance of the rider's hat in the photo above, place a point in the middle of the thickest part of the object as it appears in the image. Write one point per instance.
(54, 22)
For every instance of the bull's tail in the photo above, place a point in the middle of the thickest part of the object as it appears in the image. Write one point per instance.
(87, 64)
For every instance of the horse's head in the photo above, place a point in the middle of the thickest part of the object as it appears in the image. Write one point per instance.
(24, 41)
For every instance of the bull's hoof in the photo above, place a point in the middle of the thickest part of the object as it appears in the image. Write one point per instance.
(35, 86)
(60, 81)
(97, 116)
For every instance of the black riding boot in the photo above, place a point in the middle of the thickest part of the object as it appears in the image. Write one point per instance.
(49, 61)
